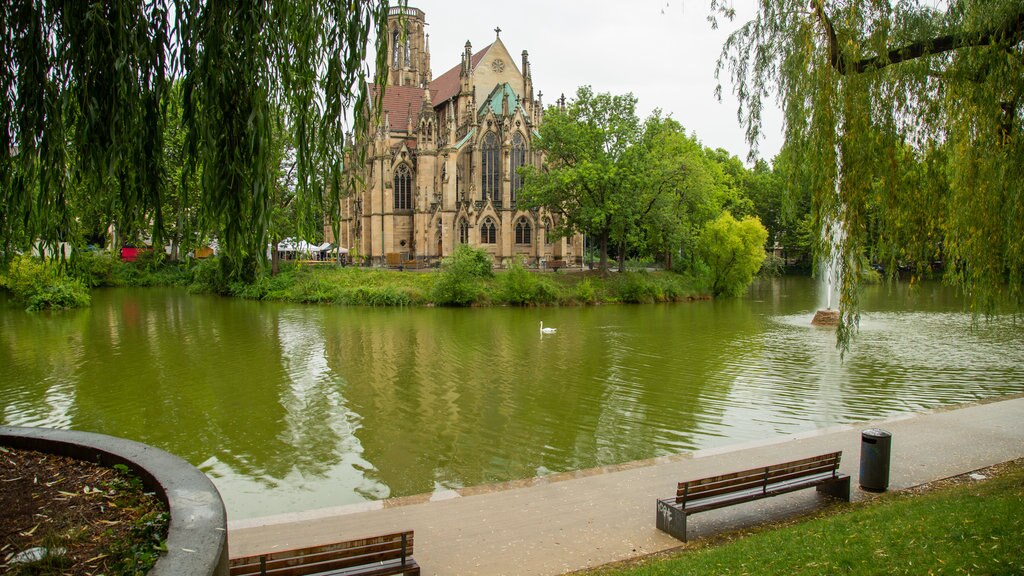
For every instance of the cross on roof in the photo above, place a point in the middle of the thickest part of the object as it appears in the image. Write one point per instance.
(497, 32)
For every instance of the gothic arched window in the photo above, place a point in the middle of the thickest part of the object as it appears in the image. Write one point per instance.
(523, 231)
(518, 160)
(549, 233)
(490, 167)
(488, 232)
(463, 231)
(408, 51)
(396, 49)
(403, 188)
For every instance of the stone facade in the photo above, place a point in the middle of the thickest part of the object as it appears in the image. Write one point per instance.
(440, 167)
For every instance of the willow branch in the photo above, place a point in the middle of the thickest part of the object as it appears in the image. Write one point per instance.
(1009, 34)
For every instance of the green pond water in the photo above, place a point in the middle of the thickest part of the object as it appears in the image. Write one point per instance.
(290, 408)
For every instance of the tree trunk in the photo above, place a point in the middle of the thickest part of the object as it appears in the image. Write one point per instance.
(275, 258)
(603, 244)
(622, 257)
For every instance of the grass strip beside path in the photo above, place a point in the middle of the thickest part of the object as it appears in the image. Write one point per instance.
(958, 526)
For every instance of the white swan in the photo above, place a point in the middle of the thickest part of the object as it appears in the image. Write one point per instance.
(544, 330)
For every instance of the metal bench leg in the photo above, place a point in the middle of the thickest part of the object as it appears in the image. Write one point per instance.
(838, 489)
(671, 520)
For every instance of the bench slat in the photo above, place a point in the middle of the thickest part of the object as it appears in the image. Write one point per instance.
(318, 554)
(378, 553)
(352, 545)
(722, 500)
(742, 480)
(306, 565)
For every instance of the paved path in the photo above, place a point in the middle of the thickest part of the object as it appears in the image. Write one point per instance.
(588, 518)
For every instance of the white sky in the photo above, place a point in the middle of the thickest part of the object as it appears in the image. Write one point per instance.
(664, 52)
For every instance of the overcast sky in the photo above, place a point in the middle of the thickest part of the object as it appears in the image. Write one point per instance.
(664, 52)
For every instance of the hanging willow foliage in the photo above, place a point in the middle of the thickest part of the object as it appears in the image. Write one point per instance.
(85, 88)
(907, 124)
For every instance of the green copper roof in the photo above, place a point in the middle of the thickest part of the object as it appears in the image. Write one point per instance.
(494, 100)
(465, 138)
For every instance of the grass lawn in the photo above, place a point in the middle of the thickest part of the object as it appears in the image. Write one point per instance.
(961, 526)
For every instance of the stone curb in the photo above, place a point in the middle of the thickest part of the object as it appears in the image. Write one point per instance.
(197, 539)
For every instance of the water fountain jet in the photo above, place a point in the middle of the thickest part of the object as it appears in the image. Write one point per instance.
(827, 316)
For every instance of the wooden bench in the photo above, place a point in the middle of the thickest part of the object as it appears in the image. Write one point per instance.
(821, 472)
(377, 556)
(554, 265)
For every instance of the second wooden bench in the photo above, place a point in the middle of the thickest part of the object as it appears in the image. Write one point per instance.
(378, 556)
(821, 472)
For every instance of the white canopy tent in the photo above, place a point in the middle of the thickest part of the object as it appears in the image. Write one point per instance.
(292, 248)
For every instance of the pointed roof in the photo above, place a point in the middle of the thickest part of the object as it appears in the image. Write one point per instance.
(493, 100)
(448, 84)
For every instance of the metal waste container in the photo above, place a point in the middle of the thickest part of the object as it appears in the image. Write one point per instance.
(875, 448)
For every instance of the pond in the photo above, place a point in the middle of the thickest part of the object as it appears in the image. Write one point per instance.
(291, 408)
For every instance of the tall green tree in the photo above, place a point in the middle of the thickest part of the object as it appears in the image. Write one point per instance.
(862, 82)
(586, 145)
(678, 190)
(733, 251)
(84, 88)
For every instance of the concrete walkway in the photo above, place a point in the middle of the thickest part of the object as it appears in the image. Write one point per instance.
(588, 518)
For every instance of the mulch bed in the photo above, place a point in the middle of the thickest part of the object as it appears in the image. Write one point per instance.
(100, 517)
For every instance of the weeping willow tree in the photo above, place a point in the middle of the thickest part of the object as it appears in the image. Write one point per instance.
(86, 86)
(906, 120)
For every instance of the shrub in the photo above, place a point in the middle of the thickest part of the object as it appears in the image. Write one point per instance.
(772, 267)
(516, 285)
(210, 276)
(149, 260)
(545, 291)
(41, 285)
(459, 282)
(638, 287)
(96, 267)
(454, 290)
(585, 292)
(466, 260)
(674, 287)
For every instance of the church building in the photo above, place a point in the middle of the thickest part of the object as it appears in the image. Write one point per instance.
(441, 168)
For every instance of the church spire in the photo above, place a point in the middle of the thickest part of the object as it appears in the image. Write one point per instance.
(408, 52)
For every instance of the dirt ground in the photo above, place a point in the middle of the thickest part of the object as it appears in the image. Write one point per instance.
(93, 517)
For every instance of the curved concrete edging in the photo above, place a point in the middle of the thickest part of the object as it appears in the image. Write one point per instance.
(197, 539)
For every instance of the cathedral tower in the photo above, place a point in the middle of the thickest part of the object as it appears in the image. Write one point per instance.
(408, 50)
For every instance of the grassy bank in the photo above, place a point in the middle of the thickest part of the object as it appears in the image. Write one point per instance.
(466, 279)
(515, 287)
(966, 527)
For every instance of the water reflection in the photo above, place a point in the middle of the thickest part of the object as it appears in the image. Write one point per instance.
(297, 407)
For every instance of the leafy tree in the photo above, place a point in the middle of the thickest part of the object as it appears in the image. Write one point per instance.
(678, 189)
(731, 194)
(733, 251)
(863, 83)
(585, 145)
(85, 89)
(643, 188)
(760, 184)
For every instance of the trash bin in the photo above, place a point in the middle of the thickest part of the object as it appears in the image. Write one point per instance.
(875, 448)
